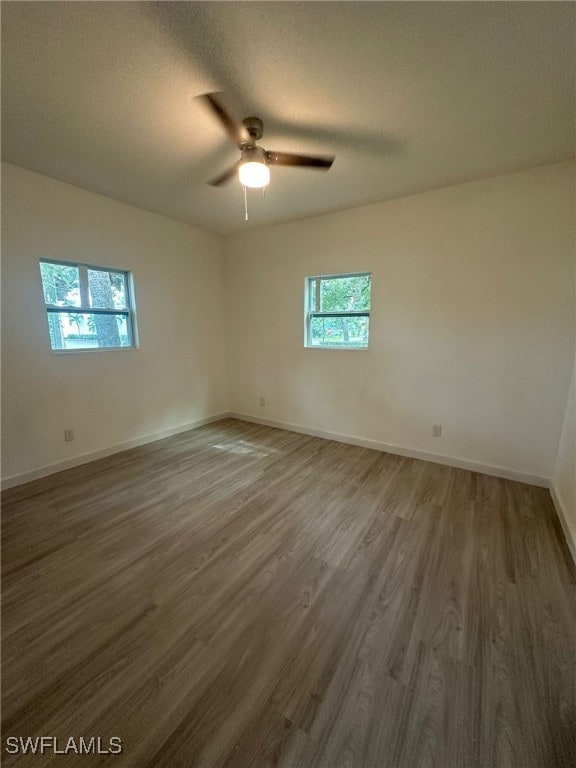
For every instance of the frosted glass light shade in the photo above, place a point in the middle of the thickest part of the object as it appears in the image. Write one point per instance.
(255, 175)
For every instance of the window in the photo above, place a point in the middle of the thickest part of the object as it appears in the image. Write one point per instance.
(338, 311)
(88, 307)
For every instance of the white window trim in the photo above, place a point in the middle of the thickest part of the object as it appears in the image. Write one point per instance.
(85, 308)
(309, 314)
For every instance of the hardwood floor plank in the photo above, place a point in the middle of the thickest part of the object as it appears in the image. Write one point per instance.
(241, 596)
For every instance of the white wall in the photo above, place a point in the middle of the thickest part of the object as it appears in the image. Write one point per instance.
(472, 323)
(177, 376)
(564, 477)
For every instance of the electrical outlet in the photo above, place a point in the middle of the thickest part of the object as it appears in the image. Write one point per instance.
(262, 401)
(436, 430)
(68, 435)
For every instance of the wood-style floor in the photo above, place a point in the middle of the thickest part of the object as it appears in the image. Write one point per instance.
(244, 596)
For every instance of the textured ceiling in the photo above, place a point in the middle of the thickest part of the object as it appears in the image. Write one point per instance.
(408, 96)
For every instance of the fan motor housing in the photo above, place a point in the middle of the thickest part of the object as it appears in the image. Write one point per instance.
(254, 155)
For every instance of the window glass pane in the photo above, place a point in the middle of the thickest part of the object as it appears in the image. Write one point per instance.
(339, 331)
(345, 294)
(88, 330)
(312, 295)
(61, 284)
(107, 289)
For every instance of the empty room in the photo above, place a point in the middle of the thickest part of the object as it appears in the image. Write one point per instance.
(288, 384)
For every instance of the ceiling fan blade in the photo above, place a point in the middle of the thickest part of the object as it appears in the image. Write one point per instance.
(236, 131)
(225, 176)
(302, 161)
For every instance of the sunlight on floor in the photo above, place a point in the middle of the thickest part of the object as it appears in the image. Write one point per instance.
(243, 447)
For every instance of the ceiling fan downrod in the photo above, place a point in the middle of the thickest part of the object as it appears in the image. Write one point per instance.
(255, 128)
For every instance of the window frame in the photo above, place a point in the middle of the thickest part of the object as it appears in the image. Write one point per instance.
(129, 312)
(309, 314)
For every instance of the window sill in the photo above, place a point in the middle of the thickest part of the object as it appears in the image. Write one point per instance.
(342, 349)
(93, 349)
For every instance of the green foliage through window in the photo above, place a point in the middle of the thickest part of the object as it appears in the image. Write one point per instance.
(338, 311)
(87, 307)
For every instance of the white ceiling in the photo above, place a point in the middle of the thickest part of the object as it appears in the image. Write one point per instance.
(408, 96)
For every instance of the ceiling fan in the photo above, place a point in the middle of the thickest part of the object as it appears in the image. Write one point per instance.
(253, 166)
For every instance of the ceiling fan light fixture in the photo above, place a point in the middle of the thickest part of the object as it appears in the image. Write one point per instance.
(254, 174)
(252, 168)
(254, 171)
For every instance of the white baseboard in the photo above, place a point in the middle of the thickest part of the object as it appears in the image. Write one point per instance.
(50, 469)
(451, 461)
(563, 517)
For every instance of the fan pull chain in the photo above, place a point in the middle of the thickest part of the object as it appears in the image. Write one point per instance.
(245, 203)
